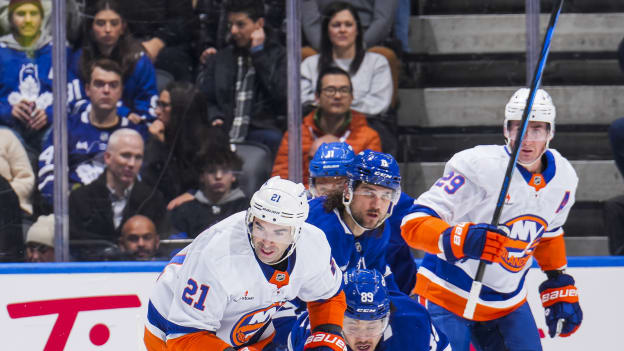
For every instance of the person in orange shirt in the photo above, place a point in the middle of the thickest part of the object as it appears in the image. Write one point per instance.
(332, 121)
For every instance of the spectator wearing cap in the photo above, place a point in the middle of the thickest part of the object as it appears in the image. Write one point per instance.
(26, 75)
(40, 240)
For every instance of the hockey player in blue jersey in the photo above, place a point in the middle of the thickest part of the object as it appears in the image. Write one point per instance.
(375, 320)
(328, 168)
(354, 220)
(328, 173)
(88, 131)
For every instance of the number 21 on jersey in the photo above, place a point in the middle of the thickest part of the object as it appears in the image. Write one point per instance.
(451, 182)
(188, 296)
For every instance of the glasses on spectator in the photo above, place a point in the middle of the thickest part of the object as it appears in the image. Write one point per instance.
(163, 104)
(331, 91)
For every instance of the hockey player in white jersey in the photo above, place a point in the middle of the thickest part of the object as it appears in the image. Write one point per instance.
(221, 291)
(450, 222)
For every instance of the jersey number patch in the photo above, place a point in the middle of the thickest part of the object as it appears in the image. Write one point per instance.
(451, 182)
(191, 290)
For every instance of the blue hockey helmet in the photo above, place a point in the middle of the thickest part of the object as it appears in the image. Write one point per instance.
(377, 168)
(331, 160)
(366, 294)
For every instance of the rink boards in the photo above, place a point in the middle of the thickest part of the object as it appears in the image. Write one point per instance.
(101, 306)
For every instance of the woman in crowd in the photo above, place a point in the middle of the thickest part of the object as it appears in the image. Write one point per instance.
(106, 36)
(342, 45)
(177, 135)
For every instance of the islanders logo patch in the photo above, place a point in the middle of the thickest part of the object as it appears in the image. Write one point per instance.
(251, 322)
(526, 230)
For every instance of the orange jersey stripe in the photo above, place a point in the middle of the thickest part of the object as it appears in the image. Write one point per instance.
(330, 311)
(199, 341)
(550, 253)
(456, 304)
(423, 233)
(152, 342)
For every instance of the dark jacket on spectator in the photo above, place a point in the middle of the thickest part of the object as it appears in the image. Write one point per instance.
(218, 77)
(91, 211)
(195, 216)
(178, 176)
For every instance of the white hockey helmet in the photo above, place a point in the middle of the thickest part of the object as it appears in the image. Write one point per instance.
(543, 109)
(279, 201)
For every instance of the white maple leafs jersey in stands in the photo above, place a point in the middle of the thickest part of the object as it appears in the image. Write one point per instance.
(536, 207)
(223, 288)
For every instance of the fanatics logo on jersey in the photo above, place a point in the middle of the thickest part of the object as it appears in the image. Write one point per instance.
(244, 297)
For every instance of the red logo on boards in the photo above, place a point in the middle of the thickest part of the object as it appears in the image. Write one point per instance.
(67, 310)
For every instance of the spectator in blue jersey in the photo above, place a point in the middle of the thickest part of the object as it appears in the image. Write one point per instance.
(88, 132)
(98, 210)
(172, 147)
(107, 36)
(25, 75)
(218, 196)
(245, 82)
(376, 320)
(162, 27)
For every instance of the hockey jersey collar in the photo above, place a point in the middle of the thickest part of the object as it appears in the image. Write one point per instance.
(548, 173)
(269, 272)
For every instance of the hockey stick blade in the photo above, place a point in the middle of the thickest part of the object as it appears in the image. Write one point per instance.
(477, 284)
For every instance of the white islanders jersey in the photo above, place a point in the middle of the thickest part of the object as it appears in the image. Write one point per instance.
(217, 284)
(536, 207)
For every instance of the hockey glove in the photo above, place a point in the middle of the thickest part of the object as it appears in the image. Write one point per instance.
(324, 341)
(561, 304)
(477, 241)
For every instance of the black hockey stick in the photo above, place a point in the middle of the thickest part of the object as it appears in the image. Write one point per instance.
(475, 289)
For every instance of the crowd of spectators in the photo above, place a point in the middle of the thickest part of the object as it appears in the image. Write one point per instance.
(164, 96)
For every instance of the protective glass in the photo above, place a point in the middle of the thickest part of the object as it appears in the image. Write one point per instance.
(364, 328)
(384, 195)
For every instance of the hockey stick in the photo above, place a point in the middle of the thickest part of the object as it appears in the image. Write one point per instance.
(475, 289)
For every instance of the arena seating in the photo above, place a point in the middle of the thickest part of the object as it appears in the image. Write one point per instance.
(469, 59)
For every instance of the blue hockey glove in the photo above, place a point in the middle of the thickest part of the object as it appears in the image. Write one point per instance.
(477, 241)
(561, 304)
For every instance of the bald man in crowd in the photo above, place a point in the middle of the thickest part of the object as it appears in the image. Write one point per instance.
(97, 210)
(139, 239)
